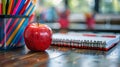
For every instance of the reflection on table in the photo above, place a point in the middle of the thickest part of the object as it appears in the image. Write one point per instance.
(60, 57)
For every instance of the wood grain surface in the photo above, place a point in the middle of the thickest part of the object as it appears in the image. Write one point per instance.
(60, 57)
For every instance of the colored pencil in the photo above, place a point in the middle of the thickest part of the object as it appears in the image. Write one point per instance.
(24, 7)
(9, 13)
(13, 13)
(10, 7)
(15, 3)
(16, 7)
(8, 23)
(0, 7)
(18, 27)
(18, 35)
(3, 7)
(7, 4)
(20, 7)
(19, 42)
(14, 23)
(21, 30)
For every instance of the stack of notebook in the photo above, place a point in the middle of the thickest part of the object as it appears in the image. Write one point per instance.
(86, 41)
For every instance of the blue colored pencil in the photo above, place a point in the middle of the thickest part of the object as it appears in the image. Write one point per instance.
(19, 34)
(10, 21)
(21, 30)
(20, 7)
(28, 8)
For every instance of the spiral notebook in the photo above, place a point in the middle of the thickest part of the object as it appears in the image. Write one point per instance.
(86, 41)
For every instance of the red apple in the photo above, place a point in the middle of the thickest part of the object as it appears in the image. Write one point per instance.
(38, 37)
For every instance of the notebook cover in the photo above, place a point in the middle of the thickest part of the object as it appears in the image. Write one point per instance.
(86, 47)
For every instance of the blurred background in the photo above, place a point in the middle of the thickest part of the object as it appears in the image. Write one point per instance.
(79, 15)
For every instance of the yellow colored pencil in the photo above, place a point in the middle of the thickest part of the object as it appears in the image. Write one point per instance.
(16, 30)
(3, 7)
(18, 27)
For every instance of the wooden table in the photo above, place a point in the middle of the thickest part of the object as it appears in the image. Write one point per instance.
(60, 57)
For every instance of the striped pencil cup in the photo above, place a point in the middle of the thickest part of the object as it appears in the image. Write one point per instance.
(11, 31)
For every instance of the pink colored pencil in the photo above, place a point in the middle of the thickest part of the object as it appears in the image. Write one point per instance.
(21, 12)
(16, 7)
(13, 13)
(15, 22)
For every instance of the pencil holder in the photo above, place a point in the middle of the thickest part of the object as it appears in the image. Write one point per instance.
(11, 31)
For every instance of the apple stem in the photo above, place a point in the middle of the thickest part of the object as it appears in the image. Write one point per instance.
(38, 23)
(37, 18)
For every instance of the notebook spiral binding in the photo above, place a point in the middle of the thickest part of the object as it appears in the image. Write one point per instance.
(78, 43)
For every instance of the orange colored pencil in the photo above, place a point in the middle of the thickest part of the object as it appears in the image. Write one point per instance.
(10, 7)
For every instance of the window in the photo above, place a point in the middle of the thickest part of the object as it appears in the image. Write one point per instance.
(81, 6)
(110, 6)
(56, 3)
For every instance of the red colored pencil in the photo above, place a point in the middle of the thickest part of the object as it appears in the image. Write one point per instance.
(0, 7)
(24, 7)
